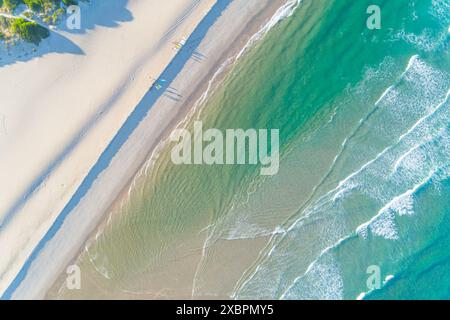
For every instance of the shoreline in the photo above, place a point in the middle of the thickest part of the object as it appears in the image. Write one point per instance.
(164, 114)
(67, 112)
(255, 27)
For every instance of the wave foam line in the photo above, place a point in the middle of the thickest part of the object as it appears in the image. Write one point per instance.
(420, 121)
(393, 204)
(426, 116)
(379, 155)
(359, 230)
(364, 294)
(411, 63)
(383, 95)
(310, 212)
(406, 154)
(282, 13)
(387, 206)
(313, 263)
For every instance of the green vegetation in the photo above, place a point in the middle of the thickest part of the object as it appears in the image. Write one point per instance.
(49, 12)
(36, 6)
(70, 2)
(29, 31)
(10, 5)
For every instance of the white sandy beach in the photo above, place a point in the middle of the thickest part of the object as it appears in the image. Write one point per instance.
(59, 111)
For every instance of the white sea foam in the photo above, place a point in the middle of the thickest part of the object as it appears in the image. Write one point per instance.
(441, 10)
(388, 279)
(101, 269)
(364, 294)
(424, 41)
(322, 281)
(344, 191)
(411, 62)
(407, 155)
(383, 223)
(282, 13)
(389, 90)
(420, 70)
(384, 226)
(361, 296)
(425, 117)
(415, 70)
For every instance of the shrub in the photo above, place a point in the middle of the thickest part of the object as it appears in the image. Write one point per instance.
(29, 31)
(57, 14)
(10, 5)
(35, 5)
(70, 2)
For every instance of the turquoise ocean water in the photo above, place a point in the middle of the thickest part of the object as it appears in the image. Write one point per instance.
(364, 175)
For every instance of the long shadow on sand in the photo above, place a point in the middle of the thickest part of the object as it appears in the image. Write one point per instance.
(132, 122)
(101, 13)
(109, 14)
(66, 45)
(56, 43)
